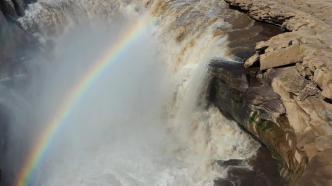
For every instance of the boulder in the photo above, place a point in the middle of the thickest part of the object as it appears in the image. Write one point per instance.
(282, 57)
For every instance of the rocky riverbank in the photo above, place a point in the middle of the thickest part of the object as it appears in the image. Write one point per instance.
(284, 93)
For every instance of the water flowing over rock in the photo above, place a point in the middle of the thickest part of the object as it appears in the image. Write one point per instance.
(248, 103)
(191, 35)
(53, 18)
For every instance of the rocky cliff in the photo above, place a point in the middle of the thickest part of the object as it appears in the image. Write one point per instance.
(283, 94)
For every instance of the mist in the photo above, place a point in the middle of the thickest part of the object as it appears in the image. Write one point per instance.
(145, 119)
(116, 133)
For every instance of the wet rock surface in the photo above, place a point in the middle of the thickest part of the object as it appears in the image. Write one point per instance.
(264, 171)
(296, 66)
(248, 98)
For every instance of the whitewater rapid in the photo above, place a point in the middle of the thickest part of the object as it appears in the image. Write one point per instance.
(146, 121)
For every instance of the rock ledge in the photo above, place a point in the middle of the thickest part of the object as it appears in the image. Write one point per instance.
(300, 60)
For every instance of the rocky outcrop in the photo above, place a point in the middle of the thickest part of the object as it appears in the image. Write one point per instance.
(297, 66)
(248, 98)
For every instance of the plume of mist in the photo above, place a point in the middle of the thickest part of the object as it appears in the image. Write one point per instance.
(144, 121)
(117, 130)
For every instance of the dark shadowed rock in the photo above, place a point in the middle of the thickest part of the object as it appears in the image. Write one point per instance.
(19, 7)
(263, 171)
(30, 1)
(231, 162)
(8, 9)
(223, 182)
(13, 9)
(248, 98)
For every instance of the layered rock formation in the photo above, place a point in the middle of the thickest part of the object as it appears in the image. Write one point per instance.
(286, 101)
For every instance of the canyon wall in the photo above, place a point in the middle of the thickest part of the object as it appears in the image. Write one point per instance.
(284, 90)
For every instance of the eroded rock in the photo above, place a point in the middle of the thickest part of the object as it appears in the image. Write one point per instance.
(303, 59)
(284, 56)
(249, 99)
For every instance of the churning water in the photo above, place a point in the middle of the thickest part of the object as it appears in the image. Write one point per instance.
(145, 119)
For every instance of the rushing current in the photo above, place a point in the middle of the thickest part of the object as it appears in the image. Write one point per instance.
(145, 119)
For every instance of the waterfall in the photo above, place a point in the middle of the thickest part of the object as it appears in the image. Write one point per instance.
(146, 120)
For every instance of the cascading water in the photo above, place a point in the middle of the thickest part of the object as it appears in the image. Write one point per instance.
(145, 120)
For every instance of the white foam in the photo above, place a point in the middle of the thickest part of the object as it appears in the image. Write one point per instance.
(148, 122)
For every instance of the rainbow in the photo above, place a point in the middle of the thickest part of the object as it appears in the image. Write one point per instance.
(117, 49)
